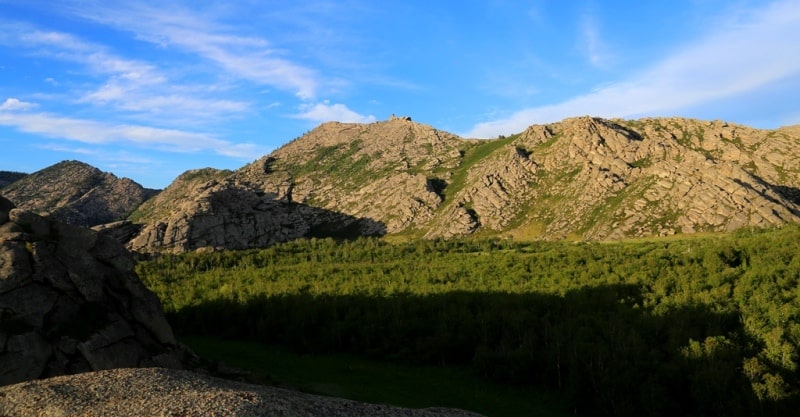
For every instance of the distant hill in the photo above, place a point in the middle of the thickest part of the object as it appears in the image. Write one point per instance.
(7, 177)
(77, 193)
(582, 178)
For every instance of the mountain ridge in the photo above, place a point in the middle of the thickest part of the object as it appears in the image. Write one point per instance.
(77, 193)
(583, 178)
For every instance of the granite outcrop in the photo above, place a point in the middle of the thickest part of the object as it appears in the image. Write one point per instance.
(70, 302)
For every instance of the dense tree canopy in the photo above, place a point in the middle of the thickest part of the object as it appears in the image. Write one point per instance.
(692, 326)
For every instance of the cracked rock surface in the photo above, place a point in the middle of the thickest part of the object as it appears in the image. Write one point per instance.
(70, 302)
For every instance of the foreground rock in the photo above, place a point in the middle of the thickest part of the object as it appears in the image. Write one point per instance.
(164, 392)
(70, 302)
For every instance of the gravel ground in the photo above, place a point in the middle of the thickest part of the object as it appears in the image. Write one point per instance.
(166, 392)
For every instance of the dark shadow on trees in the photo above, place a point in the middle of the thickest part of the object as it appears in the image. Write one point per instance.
(598, 345)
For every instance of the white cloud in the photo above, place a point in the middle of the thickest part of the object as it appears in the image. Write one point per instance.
(736, 59)
(97, 133)
(32, 37)
(13, 104)
(136, 99)
(592, 44)
(66, 47)
(251, 58)
(244, 151)
(54, 147)
(326, 112)
(130, 85)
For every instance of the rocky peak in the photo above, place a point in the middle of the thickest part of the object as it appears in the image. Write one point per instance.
(77, 193)
(70, 302)
(398, 142)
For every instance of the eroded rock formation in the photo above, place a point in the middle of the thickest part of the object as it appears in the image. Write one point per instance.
(70, 302)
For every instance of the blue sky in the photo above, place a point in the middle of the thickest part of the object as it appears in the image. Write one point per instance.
(148, 89)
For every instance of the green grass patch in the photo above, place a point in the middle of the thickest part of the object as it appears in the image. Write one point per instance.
(472, 156)
(612, 203)
(549, 142)
(379, 382)
(642, 163)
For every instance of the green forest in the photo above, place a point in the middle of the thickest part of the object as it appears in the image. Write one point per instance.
(688, 326)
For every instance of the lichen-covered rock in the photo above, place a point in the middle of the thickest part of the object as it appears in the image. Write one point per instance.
(70, 302)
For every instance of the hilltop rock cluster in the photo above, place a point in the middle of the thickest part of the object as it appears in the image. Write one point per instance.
(70, 302)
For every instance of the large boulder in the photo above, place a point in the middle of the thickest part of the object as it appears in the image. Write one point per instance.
(70, 302)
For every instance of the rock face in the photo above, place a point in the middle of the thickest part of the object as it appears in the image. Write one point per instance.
(164, 392)
(229, 214)
(603, 179)
(70, 302)
(582, 178)
(77, 193)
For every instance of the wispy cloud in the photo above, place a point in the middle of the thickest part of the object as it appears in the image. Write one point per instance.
(126, 84)
(248, 57)
(67, 47)
(146, 137)
(55, 147)
(735, 59)
(592, 43)
(244, 151)
(326, 112)
(14, 104)
(134, 98)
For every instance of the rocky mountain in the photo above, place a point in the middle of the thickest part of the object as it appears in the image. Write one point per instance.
(582, 178)
(77, 193)
(210, 209)
(70, 302)
(7, 177)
